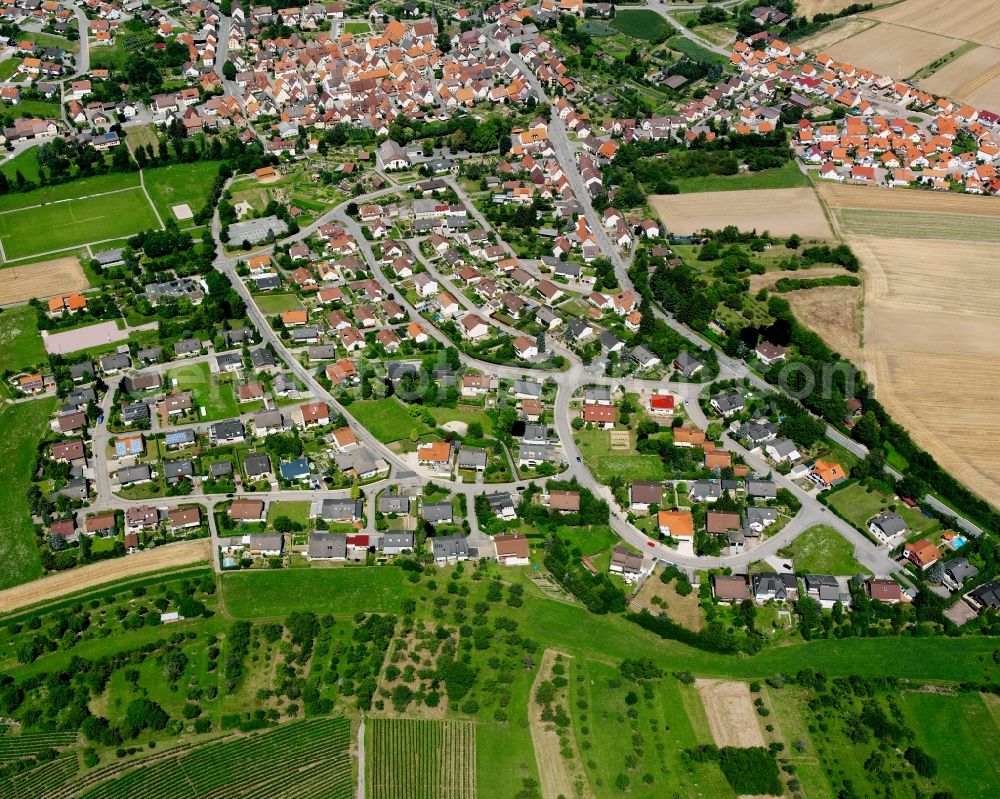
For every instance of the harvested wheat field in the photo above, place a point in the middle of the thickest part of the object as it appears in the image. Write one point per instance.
(182, 553)
(972, 20)
(973, 77)
(731, 715)
(781, 212)
(810, 8)
(835, 32)
(912, 213)
(834, 312)
(932, 342)
(558, 775)
(892, 50)
(42, 279)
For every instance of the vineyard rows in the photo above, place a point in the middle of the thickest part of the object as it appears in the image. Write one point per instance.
(304, 760)
(41, 781)
(15, 747)
(422, 759)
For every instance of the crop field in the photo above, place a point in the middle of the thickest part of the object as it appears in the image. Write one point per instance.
(835, 32)
(892, 49)
(387, 419)
(180, 553)
(973, 77)
(41, 279)
(313, 755)
(421, 759)
(642, 24)
(834, 312)
(822, 550)
(730, 713)
(971, 20)
(921, 225)
(934, 307)
(266, 594)
(810, 8)
(73, 222)
(20, 343)
(23, 424)
(781, 212)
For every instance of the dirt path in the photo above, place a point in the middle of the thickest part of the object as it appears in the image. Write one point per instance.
(554, 771)
(730, 711)
(70, 582)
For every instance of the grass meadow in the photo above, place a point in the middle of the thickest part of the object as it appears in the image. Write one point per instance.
(387, 419)
(21, 345)
(22, 425)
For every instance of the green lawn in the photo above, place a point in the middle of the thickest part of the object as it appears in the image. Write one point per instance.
(25, 162)
(22, 425)
(264, 594)
(822, 550)
(296, 511)
(97, 184)
(356, 27)
(8, 67)
(782, 177)
(180, 184)
(590, 540)
(277, 303)
(216, 398)
(74, 222)
(20, 343)
(857, 504)
(463, 414)
(43, 109)
(387, 419)
(695, 51)
(606, 463)
(642, 24)
(962, 735)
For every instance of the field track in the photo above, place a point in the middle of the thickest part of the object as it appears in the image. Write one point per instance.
(106, 571)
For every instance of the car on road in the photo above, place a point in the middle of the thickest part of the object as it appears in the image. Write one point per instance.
(579, 459)
(230, 496)
(650, 544)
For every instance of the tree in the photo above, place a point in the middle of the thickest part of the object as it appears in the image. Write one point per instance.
(229, 70)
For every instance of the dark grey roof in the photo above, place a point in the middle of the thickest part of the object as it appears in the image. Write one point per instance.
(226, 429)
(328, 545)
(890, 523)
(450, 546)
(389, 503)
(257, 464)
(261, 357)
(396, 541)
(133, 474)
(333, 509)
(174, 470)
(437, 511)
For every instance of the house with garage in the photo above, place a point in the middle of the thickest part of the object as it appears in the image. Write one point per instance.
(887, 526)
(449, 549)
(327, 546)
(643, 494)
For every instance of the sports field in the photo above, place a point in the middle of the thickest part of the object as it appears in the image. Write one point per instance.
(180, 184)
(781, 212)
(70, 223)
